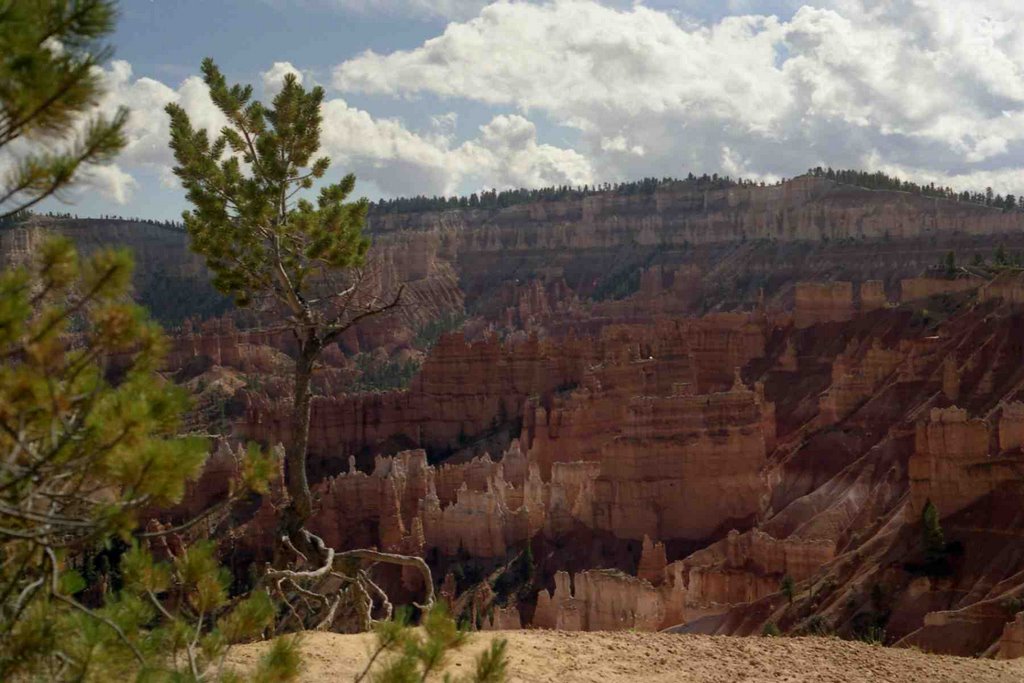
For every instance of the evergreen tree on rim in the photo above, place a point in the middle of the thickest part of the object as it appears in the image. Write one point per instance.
(49, 88)
(301, 261)
(265, 245)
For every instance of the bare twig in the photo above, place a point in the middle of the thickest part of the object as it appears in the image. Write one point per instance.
(402, 560)
(385, 602)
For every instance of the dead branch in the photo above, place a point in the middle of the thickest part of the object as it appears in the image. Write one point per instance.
(313, 597)
(381, 595)
(402, 560)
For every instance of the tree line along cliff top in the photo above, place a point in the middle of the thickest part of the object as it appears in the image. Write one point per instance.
(495, 200)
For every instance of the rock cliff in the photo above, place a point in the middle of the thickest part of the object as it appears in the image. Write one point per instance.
(711, 483)
(602, 600)
(685, 398)
(804, 208)
(954, 463)
(462, 391)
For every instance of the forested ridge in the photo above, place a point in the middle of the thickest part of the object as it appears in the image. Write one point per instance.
(23, 216)
(500, 199)
(494, 199)
(880, 181)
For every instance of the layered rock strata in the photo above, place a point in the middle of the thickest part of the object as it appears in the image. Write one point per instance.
(804, 208)
(954, 464)
(745, 567)
(462, 389)
(604, 600)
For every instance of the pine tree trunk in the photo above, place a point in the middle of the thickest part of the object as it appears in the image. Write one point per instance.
(296, 482)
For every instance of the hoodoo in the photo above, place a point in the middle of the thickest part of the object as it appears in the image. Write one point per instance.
(674, 454)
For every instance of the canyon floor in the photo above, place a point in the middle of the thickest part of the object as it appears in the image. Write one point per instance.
(569, 657)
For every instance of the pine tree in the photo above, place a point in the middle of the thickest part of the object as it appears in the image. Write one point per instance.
(788, 588)
(527, 565)
(49, 86)
(934, 539)
(949, 263)
(265, 242)
(89, 441)
(404, 655)
(262, 245)
(88, 430)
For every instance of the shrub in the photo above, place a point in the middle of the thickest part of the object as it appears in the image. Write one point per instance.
(89, 443)
(1014, 604)
(936, 551)
(788, 588)
(817, 625)
(412, 655)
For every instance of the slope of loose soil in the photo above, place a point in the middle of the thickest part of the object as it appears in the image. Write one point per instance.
(565, 657)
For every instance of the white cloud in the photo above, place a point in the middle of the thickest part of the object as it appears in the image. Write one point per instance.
(505, 153)
(146, 135)
(273, 78)
(572, 56)
(445, 123)
(620, 144)
(926, 88)
(145, 98)
(111, 180)
(928, 85)
(148, 130)
(401, 162)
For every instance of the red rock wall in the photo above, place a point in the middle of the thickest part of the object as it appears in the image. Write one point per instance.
(1011, 427)
(663, 359)
(683, 465)
(647, 481)
(804, 208)
(915, 289)
(461, 390)
(1008, 288)
(503, 619)
(636, 428)
(1011, 642)
(953, 465)
(872, 296)
(383, 507)
(652, 562)
(601, 600)
(855, 377)
(744, 567)
(822, 302)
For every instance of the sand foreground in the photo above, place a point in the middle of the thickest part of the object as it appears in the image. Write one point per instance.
(571, 657)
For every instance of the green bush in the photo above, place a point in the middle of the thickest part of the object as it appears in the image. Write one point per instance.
(788, 588)
(405, 655)
(102, 449)
(817, 625)
(427, 336)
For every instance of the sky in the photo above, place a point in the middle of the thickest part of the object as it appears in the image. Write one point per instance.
(452, 96)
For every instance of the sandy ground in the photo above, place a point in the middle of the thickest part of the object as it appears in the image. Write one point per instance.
(565, 657)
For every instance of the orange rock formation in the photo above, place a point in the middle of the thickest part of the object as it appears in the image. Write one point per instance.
(601, 600)
(953, 464)
(1011, 642)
